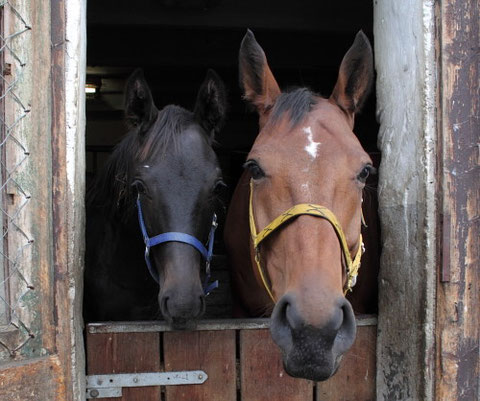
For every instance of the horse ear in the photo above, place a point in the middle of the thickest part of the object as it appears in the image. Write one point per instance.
(256, 79)
(140, 111)
(355, 76)
(211, 105)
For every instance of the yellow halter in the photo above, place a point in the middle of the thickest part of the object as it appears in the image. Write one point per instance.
(313, 210)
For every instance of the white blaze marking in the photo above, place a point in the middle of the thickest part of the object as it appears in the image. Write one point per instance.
(312, 146)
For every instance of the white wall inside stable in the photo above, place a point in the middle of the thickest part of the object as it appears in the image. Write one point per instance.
(405, 62)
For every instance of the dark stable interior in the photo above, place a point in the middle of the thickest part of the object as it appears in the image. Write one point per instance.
(176, 41)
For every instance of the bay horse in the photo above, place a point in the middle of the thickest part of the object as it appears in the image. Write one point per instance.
(153, 206)
(293, 226)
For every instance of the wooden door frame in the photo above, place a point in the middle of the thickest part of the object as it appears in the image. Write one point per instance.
(68, 19)
(428, 107)
(404, 35)
(53, 85)
(410, 277)
(457, 355)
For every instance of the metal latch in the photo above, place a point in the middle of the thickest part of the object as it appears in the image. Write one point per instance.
(109, 386)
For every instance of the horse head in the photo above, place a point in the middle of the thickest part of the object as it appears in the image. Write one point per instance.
(307, 171)
(175, 177)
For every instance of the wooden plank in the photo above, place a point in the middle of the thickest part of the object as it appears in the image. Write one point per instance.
(458, 291)
(161, 326)
(262, 376)
(355, 380)
(41, 378)
(211, 351)
(202, 325)
(125, 353)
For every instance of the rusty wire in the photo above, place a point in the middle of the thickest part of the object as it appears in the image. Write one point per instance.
(13, 156)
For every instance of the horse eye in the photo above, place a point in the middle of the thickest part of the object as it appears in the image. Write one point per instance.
(255, 170)
(219, 186)
(363, 175)
(140, 187)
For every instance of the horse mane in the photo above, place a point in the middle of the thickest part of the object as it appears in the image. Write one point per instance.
(111, 190)
(298, 102)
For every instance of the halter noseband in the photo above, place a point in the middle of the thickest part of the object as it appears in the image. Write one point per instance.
(174, 236)
(352, 266)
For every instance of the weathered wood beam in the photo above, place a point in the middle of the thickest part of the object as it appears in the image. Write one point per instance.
(458, 289)
(406, 86)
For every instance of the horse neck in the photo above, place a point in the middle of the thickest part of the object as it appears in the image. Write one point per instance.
(111, 234)
(240, 248)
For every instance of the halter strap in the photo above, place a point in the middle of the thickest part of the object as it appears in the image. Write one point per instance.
(301, 209)
(174, 236)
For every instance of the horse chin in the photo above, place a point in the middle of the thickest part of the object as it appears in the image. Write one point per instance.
(299, 366)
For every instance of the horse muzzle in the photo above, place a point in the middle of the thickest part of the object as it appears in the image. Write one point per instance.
(309, 351)
(182, 309)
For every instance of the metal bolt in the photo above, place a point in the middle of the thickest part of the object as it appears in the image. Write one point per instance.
(94, 393)
(135, 380)
(200, 376)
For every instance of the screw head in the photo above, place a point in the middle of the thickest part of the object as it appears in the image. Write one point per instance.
(200, 376)
(94, 393)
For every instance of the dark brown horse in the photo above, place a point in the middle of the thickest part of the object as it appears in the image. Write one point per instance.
(305, 154)
(153, 205)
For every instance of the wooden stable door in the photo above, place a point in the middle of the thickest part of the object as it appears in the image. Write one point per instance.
(239, 357)
(36, 326)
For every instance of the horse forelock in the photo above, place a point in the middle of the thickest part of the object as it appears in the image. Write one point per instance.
(163, 134)
(298, 103)
(111, 189)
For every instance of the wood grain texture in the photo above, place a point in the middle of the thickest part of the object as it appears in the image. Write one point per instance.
(262, 376)
(211, 351)
(355, 380)
(37, 379)
(125, 353)
(458, 293)
(29, 374)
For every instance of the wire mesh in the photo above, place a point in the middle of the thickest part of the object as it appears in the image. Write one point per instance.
(15, 285)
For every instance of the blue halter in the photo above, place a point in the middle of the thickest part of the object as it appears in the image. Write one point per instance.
(179, 237)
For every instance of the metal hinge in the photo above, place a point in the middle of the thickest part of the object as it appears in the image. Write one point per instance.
(109, 386)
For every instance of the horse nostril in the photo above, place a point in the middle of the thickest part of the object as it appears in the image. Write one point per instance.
(283, 322)
(289, 315)
(338, 319)
(281, 312)
(163, 306)
(347, 328)
(202, 306)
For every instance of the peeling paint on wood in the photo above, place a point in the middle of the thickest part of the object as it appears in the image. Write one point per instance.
(38, 379)
(405, 63)
(458, 301)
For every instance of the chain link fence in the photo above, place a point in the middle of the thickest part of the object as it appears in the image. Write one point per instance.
(15, 285)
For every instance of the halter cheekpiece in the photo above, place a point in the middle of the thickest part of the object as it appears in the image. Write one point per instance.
(352, 266)
(173, 236)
